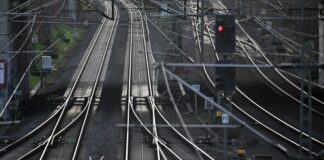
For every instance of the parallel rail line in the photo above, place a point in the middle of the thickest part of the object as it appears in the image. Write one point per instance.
(57, 131)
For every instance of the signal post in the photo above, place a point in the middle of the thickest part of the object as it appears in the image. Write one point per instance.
(225, 42)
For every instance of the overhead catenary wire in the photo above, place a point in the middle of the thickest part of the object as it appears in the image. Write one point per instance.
(37, 9)
(217, 105)
(280, 135)
(281, 37)
(155, 105)
(17, 8)
(257, 47)
(97, 81)
(31, 24)
(181, 120)
(24, 75)
(158, 138)
(18, 34)
(262, 136)
(23, 44)
(59, 10)
(161, 115)
(70, 94)
(276, 70)
(278, 119)
(275, 85)
(175, 45)
(43, 6)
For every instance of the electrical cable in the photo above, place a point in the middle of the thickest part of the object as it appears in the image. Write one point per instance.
(16, 36)
(23, 44)
(25, 73)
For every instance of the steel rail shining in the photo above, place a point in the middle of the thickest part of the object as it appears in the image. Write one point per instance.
(72, 90)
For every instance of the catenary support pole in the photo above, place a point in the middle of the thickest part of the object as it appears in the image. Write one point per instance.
(321, 41)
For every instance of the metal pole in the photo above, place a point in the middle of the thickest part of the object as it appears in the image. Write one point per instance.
(225, 144)
(321, 41)
(224, 103)
(196, 114)
(305, 113)
(113, 9)
(185, 9)
(202, 29)
(219, 102)
(197, 9)
(228, 105)
(242, 8)
(41, 74)
(208, 113)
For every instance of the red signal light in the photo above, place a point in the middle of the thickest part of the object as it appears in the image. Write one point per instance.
(220, 28)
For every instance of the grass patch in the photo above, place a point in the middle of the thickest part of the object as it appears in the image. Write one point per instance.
(60, 50)
(69, 39)
(33, 80)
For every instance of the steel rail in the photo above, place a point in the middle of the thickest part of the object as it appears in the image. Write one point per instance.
(93, 91)
(8, 147)
(149, 85)
(276, 70)
(210, 81)
(276, 118)
(129, 83)
(278, 145)
(287, 139)
(200, 49)
(275, 85)
(151, 100)
(274, 131)
(148, 75)
(284, 77)
(64, 129)
(281, 70)
(178, 133)
(25, 73)
(218, 106)
(152, 134)
(164, 119)
(50, 141)
(172, 127)
(180, 50)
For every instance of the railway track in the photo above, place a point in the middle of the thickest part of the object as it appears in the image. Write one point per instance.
(63, 137)
(141, 107)
(290, 136)
(293, 137)
(139, 87)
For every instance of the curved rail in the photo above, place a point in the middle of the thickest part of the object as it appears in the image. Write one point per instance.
(50, 142)
(93, 91)
(157, 142)
(267, 112)
(60, 110)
